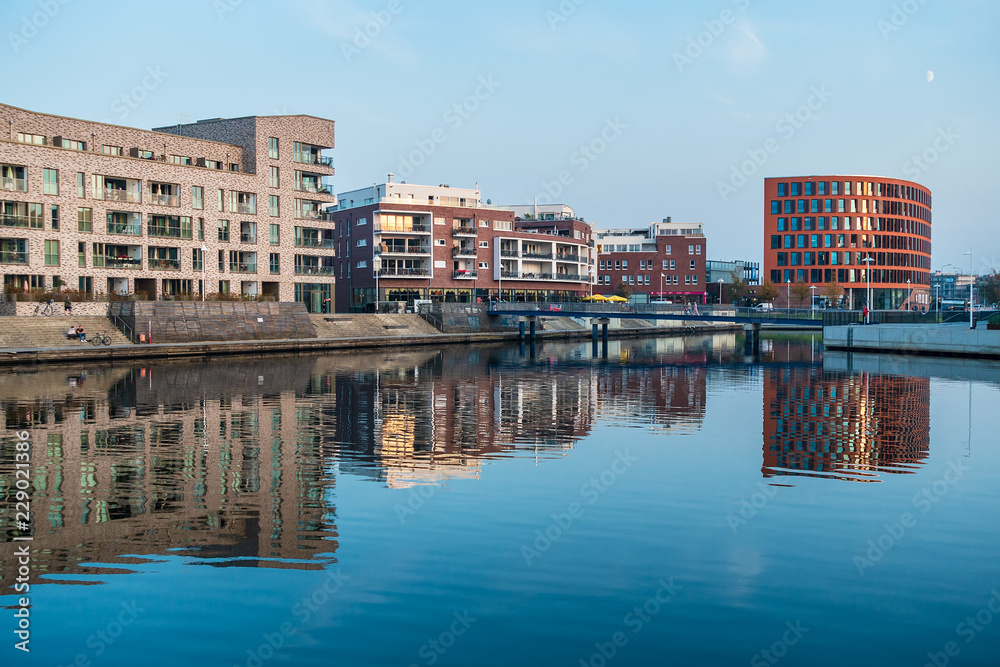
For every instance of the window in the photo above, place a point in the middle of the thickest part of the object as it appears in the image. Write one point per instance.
(362, 243)
(52, 253)
(81, 254)
(624, 265)
(223, 230)
(693, 265)
(84, 220)
(242, 202)
(687, 280)
(275, 262)
(50, 181)
(667, 250)
(222, 262)
(81, 190)
(197, 197)
(197, 259)
(821, 188)
(112, 150)
(272, 148)
(201, 229)
(362, 264)
(55, 218)
(828, 206)
(774, 206)
(484, 223)
(223, 287)
(666, 264)
(690, 249)
(503, 225)
(484, 265)
(275, 234)
(618, 265)
(673, 265)
(796, 189)
(181, 159)
(697, 250)
(222, 200)
(835, 187)
(801, 208)
(484, 244)
(631, 280)
(694, 279)
(36, 139)
(782, 189)
(275, 180)
(362, 222)
(273, 206)
(781, 224)
(439, 242)
(814, 206)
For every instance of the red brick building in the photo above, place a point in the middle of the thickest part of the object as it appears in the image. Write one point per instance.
(405, 242)
(665, 262)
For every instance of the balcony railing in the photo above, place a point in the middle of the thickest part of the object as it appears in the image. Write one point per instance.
(463, 252)
(122, 263)
(509, 253)
(314, 214)
(414, 228)
(247, 238)
(407, 250)
(11, 220)
(164, 200)
(315, 187)
(315, 243)
(168, 232)
(536, 255)
(165, 264)
(13, 184)
(404, 273)
(243, 267)
(314, 270)
(313, 158)
(131, 229)
(245, 208)
(562, 277)
(465, 274)
(568, 258)
(14, 257)
(464, 230)
(114, 194)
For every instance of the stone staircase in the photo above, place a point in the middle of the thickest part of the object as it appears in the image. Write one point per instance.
(369, 325)
(44, 332)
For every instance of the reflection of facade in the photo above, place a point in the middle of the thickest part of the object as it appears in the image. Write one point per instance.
(843, 425)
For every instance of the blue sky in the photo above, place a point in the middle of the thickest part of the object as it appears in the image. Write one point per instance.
(629, 112)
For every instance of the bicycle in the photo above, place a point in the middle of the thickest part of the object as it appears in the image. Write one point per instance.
(45, 309)
(100, 338)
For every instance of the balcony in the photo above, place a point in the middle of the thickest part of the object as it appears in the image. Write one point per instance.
(536, 255)
(317, 187)
(413, 249)
(308, 157)
(162, 199)
(509, 253)
(464, 252)
(464, 230)
(418, 228)
(404, 273)
(14, 220)
(246, 237)
(246, 208)
(13, 184)
(575, 259)
(243, 267)
(464, 273)
(314, 214)
(114, 194)
(562, 277)
(14, 257)
(167, 232)
(125, 229)
(301, 270)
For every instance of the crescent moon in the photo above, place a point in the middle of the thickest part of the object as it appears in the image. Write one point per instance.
(930, 76)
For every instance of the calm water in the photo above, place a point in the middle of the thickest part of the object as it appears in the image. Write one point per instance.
(670, 503)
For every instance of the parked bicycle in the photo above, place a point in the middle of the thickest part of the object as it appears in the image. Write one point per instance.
(45, 309)
(100, 338)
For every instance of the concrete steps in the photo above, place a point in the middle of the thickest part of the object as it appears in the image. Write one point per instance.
(367, 325)
(42, 332)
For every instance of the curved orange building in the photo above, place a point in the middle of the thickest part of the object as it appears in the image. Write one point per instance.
(820, 230)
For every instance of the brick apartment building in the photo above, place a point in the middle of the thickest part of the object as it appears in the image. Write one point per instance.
(410, 242)
(664, 262)
(238, 203)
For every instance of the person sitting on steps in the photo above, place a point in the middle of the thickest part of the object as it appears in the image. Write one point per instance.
(81, 334)
(71, 334)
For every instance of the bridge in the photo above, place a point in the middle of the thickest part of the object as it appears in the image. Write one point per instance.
(655, 311)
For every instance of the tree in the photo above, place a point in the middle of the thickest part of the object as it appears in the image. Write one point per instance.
(989, 287)
(736, 289)
(832, 292)
(622, 290)
(801, 292)
(767, 291)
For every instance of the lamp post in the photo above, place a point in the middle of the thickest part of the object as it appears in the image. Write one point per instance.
(812, 297)
(204, 249)
(788, 293)
(377, 267)
(972, 282)
(908, 292)
(937, 298)
(590, 281)
(720, 291)
(868, 275)
(663, 278)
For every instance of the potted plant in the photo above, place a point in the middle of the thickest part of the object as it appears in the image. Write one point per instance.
(993, 322)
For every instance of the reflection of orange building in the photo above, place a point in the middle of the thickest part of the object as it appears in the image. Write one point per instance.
(848, 426)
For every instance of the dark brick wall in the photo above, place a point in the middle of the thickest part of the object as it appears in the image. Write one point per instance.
(192, 321)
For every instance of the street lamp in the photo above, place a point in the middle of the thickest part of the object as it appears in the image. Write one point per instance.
(812, 297)
(377, 267)
(720, 291)
(590, 281)
(788, 293)
(937, 298)
(972, 279)
(204, 249)
(908, 292)
(663, 278)
(868, 274)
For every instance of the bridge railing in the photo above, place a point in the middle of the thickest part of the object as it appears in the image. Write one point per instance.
(656, 309)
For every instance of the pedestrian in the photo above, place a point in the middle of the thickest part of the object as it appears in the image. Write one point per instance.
(864, 313)
(67, 307)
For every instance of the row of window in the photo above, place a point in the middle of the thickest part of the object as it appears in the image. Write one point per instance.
(822, 276)
(860, 223)
(835, 258)
(633, 279)
(644, 265)
(860, 188)
(788, 206)
(693, 249)
(880, 241)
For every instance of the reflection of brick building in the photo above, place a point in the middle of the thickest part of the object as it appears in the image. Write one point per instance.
(847, 426)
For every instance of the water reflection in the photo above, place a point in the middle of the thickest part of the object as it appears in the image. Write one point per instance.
(237, 461)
